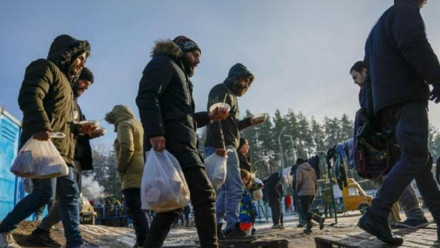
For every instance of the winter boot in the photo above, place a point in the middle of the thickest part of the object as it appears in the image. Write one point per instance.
(378, 226)
(308, 229)
(42, 237)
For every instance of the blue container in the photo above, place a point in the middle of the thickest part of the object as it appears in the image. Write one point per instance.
(11, 189)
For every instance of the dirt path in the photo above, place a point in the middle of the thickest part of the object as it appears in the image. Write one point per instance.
(120, 237)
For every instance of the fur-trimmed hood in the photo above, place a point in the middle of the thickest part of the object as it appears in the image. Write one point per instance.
(167, 47)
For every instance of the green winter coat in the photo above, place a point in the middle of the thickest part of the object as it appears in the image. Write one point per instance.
(46, 97)
(129, 147)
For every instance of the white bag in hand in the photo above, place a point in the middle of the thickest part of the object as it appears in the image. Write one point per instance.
(39, 159)
(215, 167)
(163, 186)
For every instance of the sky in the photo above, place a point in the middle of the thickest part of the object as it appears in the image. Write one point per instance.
(299, 51)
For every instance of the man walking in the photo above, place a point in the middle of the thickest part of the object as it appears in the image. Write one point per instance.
(401, 63)
(408, 200)
(223, 138)
(166, 108)
(82, 158)
(46, 100)
(130, 165)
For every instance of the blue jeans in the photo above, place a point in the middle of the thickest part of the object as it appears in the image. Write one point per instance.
(409, 123)
(53, 216)
(67, 192)
(231, 192)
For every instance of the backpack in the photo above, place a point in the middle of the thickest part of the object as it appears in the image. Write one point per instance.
(375, 152)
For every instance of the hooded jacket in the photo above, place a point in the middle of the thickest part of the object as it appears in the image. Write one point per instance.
(400, 59)
(227, 132)
(305, 180)
(166, 105)
(274, 189)
(128, 147)
(46, 97)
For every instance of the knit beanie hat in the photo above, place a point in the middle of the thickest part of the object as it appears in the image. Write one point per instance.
(186, 44)
(86, 74)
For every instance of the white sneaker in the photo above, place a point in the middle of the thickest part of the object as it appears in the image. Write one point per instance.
(7, 241)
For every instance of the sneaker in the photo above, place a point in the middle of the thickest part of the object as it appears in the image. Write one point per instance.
(413, 223)
(378, 226)
(307, 231)
(300, 225)
(7, 241)
(278, 226)
(237, 235)
(42, 238)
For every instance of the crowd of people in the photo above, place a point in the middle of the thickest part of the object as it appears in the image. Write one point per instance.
(399, 64)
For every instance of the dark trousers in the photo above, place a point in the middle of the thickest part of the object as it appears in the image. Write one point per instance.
(409, 123)
(277, 213)
(203, 202)
(305, 203)
(132, 199)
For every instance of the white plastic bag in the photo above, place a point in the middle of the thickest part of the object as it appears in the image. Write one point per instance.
(215, 167)
(257, 195)
(163, 186)
(39, 159)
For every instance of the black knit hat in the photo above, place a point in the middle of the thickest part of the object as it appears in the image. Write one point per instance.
(186, 44)
(86, 74)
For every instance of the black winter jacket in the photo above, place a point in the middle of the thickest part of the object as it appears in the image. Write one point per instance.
(166, 105)
(226, 132)
(399, 57)
(46, 97)
(83, 150)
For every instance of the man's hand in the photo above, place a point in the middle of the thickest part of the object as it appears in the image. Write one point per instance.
(42, 136)
(87, 128)
(434, 95)
(220, 152)
(158, 143)
(98, 133)
(218, 114)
